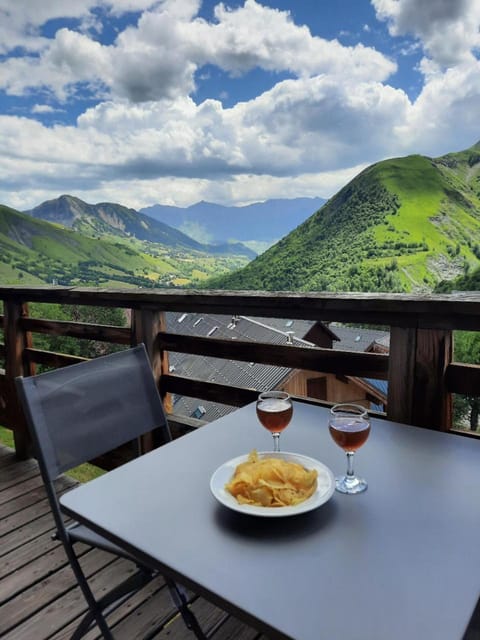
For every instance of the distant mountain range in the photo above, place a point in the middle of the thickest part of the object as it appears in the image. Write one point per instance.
(257, 225)
(403, 224)
(103, 250)
(107, 218)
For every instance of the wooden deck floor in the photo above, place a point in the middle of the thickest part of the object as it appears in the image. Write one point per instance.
(38, 596)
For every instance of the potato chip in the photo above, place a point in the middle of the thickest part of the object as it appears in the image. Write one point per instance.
(271, 482)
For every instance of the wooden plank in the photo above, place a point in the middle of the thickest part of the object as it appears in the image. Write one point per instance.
(401, 375)
(194, 388)
(27, 610)
(129, 608)
(368, 365)
(28, 498)
(16, 340)
(146, 325)
(36, 570)
(417, 391)
(27, 553)
(38, 596)
(51, 359)
(15, 539)
(20, 488)
(9, 480)
(21, 518)
(84, 330)
(463, 378)
(447, 311)
(150, 614)
(209, 616)
(61, 611)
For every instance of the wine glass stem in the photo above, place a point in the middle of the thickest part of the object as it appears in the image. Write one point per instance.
(350, 472)
(276, 442)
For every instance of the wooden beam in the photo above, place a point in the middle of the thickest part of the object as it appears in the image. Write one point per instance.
(16, 341)
(369, 365)
(146, 325)
(194, 388)
(452, 311)
(463, 379)
(51, 358)
(417, 392)
(104, 333)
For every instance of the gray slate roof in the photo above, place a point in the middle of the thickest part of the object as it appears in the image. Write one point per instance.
(230, 372)
(244, 374)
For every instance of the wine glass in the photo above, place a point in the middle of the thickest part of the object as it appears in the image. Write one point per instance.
(349, 427)
(274, 410)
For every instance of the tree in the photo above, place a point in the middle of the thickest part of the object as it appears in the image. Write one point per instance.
(467, 349)
(77, 313)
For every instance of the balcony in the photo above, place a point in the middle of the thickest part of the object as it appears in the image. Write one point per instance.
(418, 370)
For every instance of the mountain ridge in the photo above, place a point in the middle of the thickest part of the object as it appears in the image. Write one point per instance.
(261, 222)
(37, 251)
(402, 224)
(112, 218)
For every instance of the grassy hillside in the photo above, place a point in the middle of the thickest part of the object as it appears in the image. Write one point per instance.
(401, 225)
(36, 251)
(111, 219)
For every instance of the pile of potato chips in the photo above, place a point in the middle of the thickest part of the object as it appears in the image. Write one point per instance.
(271, 482)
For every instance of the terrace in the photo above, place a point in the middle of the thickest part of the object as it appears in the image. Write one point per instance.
(37, 594)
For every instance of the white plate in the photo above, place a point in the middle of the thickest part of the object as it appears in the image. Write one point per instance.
(323, 493)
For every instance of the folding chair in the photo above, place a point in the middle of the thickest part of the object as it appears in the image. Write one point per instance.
(77, 413)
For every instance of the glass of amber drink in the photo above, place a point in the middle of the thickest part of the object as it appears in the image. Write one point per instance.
(274, 410)
(349, 427)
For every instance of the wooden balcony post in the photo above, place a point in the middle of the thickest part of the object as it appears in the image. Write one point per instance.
(417, 392)
(16, 340)
(146, 325)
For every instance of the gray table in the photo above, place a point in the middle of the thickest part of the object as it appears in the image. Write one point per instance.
(401, 561)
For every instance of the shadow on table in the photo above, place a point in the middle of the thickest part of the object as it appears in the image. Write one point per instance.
(298, 526)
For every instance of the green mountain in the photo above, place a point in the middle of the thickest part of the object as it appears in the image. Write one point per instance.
(401, 225)
(107, 218)
(34, 251)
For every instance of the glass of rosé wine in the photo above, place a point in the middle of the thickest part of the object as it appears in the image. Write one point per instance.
(349, 427)
(274, 410)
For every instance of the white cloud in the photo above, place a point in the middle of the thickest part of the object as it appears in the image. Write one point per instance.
(159, 56)
(445, 115)
(43, 108)
(306, 127)
(147, 141)
(448, 29)
(20, 22)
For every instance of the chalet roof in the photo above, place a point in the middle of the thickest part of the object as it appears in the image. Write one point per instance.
(359, 339)
(244, 374)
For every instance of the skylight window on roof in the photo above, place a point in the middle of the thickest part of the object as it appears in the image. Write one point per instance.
(289, 323)
(358, 338)
(199, 412)
(182, 317)
(212, 331)
(197, 322)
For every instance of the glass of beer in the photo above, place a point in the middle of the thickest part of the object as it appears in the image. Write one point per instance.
(274, 410)
(349, 427)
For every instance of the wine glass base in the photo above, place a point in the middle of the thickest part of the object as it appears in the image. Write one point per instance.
(350, 484)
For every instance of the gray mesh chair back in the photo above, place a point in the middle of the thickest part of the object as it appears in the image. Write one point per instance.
(87, 409)
(77, 413)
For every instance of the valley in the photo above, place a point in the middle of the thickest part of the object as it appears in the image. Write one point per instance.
(401, 225)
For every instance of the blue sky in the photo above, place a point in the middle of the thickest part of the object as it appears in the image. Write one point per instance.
(176, 101)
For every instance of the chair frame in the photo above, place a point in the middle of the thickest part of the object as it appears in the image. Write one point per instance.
(73, 533)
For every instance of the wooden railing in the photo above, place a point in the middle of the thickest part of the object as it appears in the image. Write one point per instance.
(419, 369)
